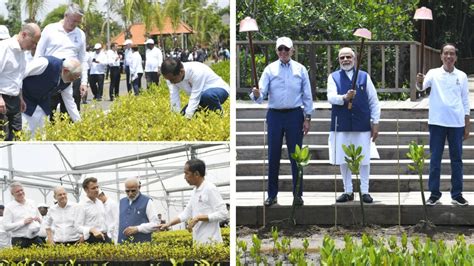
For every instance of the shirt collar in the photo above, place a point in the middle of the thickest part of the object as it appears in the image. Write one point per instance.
(446, 72)
(201, 187)
(15, 45)
(285, 64)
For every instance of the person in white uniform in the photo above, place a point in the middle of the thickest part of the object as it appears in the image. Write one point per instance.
(111, 214)
(97, 72)
(357, 126)
(61, 223)
(205, 209)
(136, 70)
(22, 219)
(448, 118)
(204, 87)
(153, 61)
(64, 39)
(5, 238)
(114, 66)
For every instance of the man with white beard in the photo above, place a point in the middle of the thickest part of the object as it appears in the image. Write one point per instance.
(354, 126)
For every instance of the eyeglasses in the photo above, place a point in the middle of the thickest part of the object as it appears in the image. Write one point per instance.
(283, 48)
(130, 190)
(345, 57)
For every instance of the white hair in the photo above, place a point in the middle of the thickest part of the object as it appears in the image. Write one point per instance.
(74, 9)
(347, 48)
(73, 65)
(135, 180)
(14, 185)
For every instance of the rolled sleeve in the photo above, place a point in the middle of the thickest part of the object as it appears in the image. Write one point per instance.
(333, 97)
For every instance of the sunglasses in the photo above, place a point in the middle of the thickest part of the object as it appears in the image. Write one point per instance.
(283, 48)
(345, 57)
(130, 190)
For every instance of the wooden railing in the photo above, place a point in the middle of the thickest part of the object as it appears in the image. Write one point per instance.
(392, 65)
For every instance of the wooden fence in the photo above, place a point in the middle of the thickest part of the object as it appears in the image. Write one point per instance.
(392, 65)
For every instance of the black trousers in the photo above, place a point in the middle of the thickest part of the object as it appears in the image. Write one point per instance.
(92, 239)
(127, 76)
(114, 82)
(152, 78)
(96, 82)
(12, 119)
(24, 242)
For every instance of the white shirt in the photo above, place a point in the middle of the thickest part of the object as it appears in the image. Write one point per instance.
(63, 223)
(15, 215)
(12, 66)
(5, 238)
(55, 41)
(198, 78)
(42, 231)
(98, 67)
(111, 216)
(449, 97)
(91, 215)
(154, 59)
(128, 57)
(205, 200)
(36, 67)
(135, 65)
(113, 58)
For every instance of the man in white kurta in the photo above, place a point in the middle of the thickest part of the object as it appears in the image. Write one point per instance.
(356, 126)
(205, 208)
(153, 61)
(204, 87)
(61, 222)
(65, 39)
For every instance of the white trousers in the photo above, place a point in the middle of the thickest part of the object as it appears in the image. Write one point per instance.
(36, 121)
(347, 178)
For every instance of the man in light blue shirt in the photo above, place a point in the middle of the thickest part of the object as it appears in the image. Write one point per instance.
(286, 84)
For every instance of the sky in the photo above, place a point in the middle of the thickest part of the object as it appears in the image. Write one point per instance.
(28, 157)
(101, 4)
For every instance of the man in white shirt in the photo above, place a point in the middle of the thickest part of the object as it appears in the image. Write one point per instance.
(92, 217)
(5, 238)
(154, 59)
(448, 117)
(111, 214)
(65, 39)
(127, 61)
(22, 219)
(114, 67)
(205, 208)
(357, 126)
(12, 71)
(44, 77)
(136, 70)
(138, 214)
(97, 71)
(61, 223)
(204, 87)
(43, 209)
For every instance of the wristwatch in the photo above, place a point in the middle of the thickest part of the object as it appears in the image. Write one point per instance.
(307, 118)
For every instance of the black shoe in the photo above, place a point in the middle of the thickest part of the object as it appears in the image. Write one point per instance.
(460, 201)
(366, 198)
(298, 201)
(345, 197)
(270, 201)
(433, 201)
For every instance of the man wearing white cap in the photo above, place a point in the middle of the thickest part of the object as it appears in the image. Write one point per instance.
(65, 39)
(153, 61)
(4, 32)
(286, 84)
(12, 72)
(127, 61)
(97, 72)
(43, 209)
(22, 219)
(356, 126)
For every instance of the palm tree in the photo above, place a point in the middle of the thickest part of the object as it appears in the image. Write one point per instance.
(32, 8)
(174, 11)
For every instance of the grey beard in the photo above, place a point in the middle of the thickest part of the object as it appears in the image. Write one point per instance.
(347, 67)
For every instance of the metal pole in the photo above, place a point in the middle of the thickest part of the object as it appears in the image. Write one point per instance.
(108, 24)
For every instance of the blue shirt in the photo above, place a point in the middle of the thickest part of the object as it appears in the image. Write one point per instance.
(286, 85)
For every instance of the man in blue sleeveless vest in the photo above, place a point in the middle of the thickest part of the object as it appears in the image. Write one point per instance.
(137, 215)
(46, 76)
(286, 83)
(205, 208)
(354, 126)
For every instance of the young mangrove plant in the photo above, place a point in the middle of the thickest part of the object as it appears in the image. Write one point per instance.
(353, 160)
(301, 157)
(418, 156)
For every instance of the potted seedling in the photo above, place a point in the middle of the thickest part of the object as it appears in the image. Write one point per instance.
(301, 157)
(353, 159)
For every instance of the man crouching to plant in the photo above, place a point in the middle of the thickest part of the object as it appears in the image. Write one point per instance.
(204, 87)
(205, 208)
